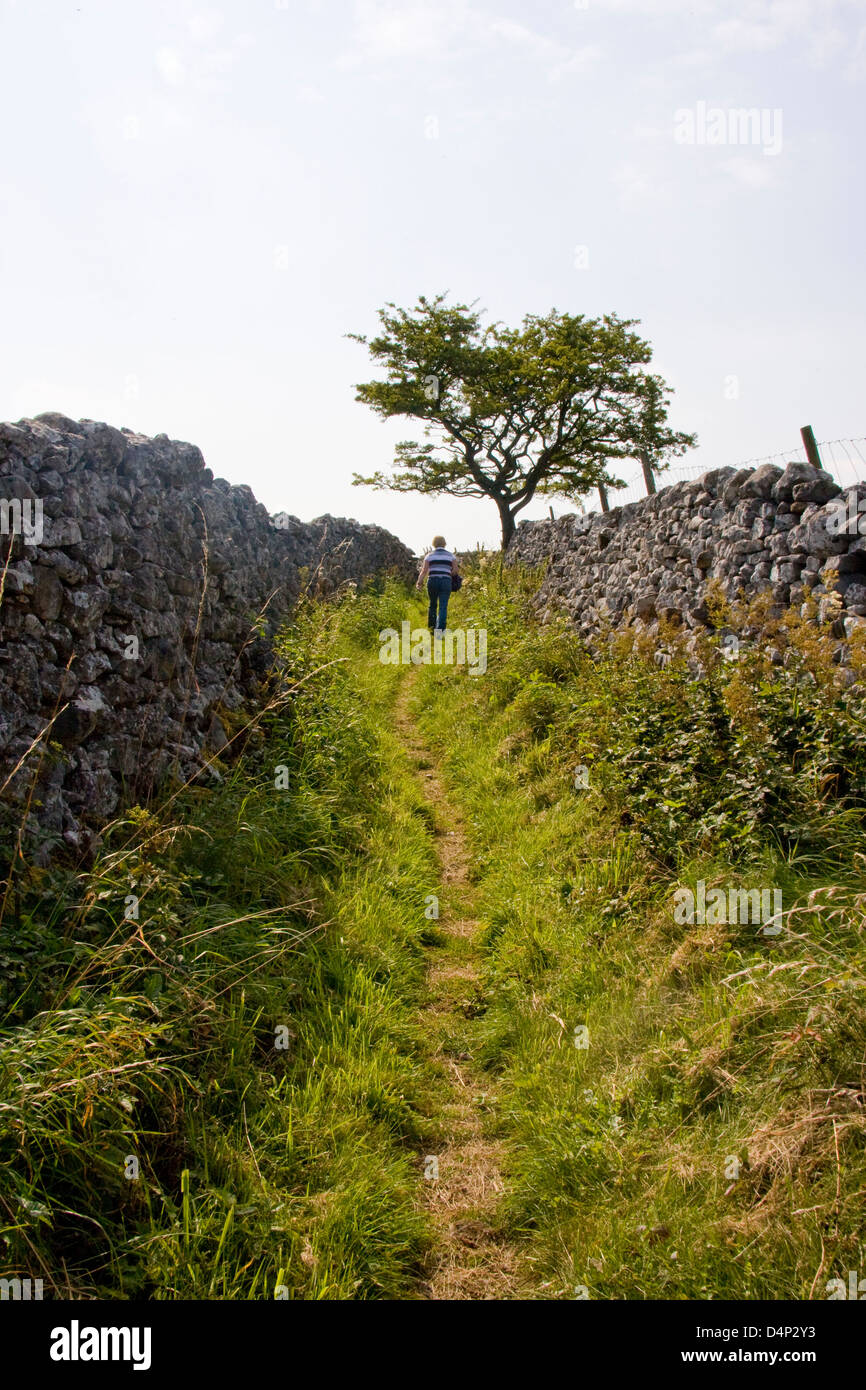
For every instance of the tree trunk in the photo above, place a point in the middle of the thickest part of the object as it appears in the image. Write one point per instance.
(647, 471)
(602, 497)
(507, 522)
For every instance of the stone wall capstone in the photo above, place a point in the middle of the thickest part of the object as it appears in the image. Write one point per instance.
(128, 612)
(787, 530)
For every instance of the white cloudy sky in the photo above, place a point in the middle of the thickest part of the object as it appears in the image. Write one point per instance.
(198, 202)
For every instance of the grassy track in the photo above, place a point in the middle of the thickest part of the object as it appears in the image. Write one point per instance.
(471, 1257)
(680, 1108)
(284, 1075)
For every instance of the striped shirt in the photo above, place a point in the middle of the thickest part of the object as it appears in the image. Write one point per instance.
(439, 562)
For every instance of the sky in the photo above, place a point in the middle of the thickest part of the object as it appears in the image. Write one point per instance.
(198, 203)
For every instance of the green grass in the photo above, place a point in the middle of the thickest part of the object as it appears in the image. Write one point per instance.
(708, 1140)
(231, 1094)
(249, 1046)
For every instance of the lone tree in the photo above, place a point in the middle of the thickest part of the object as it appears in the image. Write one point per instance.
(511, 412)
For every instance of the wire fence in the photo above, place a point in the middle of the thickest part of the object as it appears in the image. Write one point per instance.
(844, 458)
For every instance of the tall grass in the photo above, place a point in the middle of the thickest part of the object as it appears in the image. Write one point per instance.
(210, 1082)
(215, 1078)
(682, 1106)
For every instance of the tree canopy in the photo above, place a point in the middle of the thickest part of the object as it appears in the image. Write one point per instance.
(511, 412)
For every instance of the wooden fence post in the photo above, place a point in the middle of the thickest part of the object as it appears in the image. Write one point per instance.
(807, 435)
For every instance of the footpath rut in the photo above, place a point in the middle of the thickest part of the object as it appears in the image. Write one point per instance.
(470, 1258)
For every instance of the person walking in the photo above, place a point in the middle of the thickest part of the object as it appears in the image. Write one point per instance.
(438, 568)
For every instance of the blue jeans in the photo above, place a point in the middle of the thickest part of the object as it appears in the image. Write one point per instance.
(439, 590)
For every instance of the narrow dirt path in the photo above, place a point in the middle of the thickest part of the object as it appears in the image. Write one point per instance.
(470, 1259)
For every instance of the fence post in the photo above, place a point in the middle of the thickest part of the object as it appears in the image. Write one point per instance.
(647, 471)
(807, 435)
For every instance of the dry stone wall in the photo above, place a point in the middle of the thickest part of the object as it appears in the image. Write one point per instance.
(792, 531)
(128, 612)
